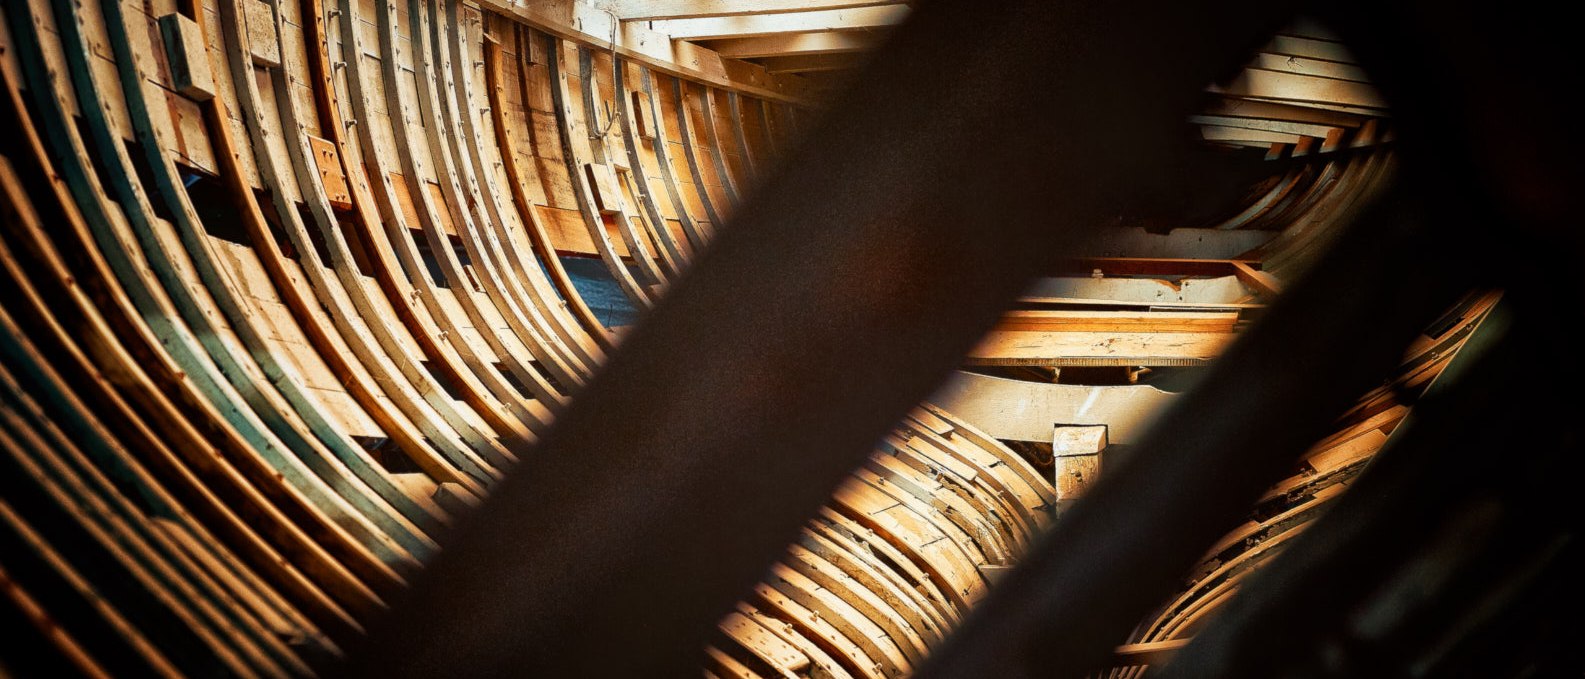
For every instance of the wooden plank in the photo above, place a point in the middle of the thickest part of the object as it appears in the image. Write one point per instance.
(828, 42)
(812, 63)
(188, 61)
(1216, 133)
(328, 161)
(1305, 66)
(1311, 48)
(763, 644)
(1024, 411)
(1151, 653)
(744, 26)
(594, 27)
(1056, 349)
(219, 490)
(1265, 125)
(1282, 86)
(264, 45)
(1119, 322)
(636, 10)
(1262, 282)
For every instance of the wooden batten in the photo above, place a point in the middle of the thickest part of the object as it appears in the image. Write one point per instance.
(329, 164)
(189, 63)
(1076, 458)
(607, 197)
(262, 41)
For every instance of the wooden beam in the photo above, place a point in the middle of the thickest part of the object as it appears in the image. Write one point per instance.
(594, 27)
(1247, 108)
(1244, 134)
(1283, 86)
(1151, 653)
(811, 63)
(1117, 321)
(1260, 281)
(1278, 126)
(1305, 66)
(1179, 243)
(716, 28)
(828, 42)
(1310, 48)
(1146, 266)
(1064, 338)
(650, 10)
(1024, 411)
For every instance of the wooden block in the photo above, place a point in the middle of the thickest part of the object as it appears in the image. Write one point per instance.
(1076, 456)
(189, 61)
(330, 173)
(641, 117)
(1075, 440)
(455, 498)
(606, 196)
(263, 42)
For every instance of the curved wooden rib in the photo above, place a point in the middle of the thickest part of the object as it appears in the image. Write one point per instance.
(283, 292)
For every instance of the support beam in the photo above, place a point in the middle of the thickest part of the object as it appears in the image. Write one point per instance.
(1152, 653)
(811, 63)
(649, 10)
(742, 429)
(829, 42)
(1265, 125)
(1024, 411)
(1265, 283)
(595, 27)
(1243, 134)
(716, 28)
(1245, 108)
(1281, 86)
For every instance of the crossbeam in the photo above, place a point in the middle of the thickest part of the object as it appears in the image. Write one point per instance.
(648, 10)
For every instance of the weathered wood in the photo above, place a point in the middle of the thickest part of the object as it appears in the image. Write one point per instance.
(636, 10)
(188, 62)
(803, 21)
(594, 27)
(1076, 459)
(796, 44)
(329, 164)
(1024, 411)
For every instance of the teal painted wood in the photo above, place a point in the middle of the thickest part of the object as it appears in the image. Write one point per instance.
(101, 281)
(455, 132)
(163, 323)
(318, 470)
(94, 465)
(375, 363)
(434, 215)
(345, 297)
(525, 278)
(451, 445)
(50, 579)
(483, 454)
(212, 641)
